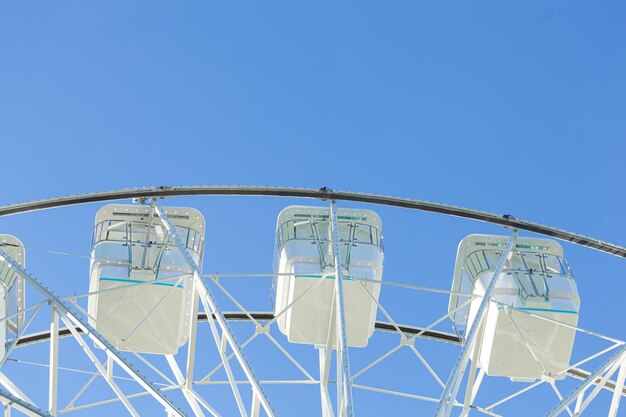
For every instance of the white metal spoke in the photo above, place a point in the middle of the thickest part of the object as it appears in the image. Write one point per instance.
(20, 404)
(324, 360)
(377, 361)
(53, 381)
(231, 378)
(82, 390)
(264, 329)
(186, 369)
(191, 400)
(255, 407)
(204, 403)
(392, 283)
(191, 340)
(587, 359)
(343, 357)
(427, 366)
(213, 310)
(288, 356)
(65, 311)
(598, 387)
(13, 389)
(619, 387)
(228, 358)
(602, 369)
(515, 394)
(113, 400)
(396, 393)
(92, 356)
(560, 397)
(23, 329)
(23, 311)
(82, 371)
(382, 310)
(472, 386)
(579, 401)
(263, 381)
(439, 320)
(135, 354)
(449, 394)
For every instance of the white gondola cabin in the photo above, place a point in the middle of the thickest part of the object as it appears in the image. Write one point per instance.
(11, 293)
(536, 281)
(304, 257)
(140, 284)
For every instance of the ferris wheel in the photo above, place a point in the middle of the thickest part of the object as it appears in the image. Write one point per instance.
(325, 332)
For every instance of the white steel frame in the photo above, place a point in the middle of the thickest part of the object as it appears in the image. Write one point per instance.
(448, 398)
(216, 318)
(72, 320)
(76, 326)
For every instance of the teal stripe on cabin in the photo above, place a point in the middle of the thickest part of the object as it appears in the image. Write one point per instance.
(547, 310)
(136, 281)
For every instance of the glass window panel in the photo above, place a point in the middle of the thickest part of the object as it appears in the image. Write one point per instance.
(533, 261)
(492, 258)
(516, 262)
(111, 251)
(362, 234)
(554, 265)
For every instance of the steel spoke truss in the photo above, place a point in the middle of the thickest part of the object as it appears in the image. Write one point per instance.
(610, 375)
(72, 320)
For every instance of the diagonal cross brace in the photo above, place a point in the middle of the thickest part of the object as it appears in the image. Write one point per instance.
(215, 311)
(342, 342)
(65, 310)
(11, 400)
(606, 366)
(448, 398)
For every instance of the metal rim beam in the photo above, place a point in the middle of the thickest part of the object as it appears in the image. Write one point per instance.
(323, 194)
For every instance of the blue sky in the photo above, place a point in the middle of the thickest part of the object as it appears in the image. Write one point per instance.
(510, 107)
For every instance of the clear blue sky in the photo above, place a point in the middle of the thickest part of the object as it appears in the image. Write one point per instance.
(510, 107)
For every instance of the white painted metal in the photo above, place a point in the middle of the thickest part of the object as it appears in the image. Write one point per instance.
(605, 369)
(324, 360)
(344, 401)
(11, 294)
(191, 344)
(617, 391)
(304, 256)
(17, 393)
(231, 377)
(473, 383)
(73, 320)
(53, 381)
(186, 381)
(255, 407)
(448, 398)
(180, 379)
(104, 372)
(213, 311)
(12, 401)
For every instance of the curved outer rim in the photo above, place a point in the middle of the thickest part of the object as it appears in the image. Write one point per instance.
(323, 194)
